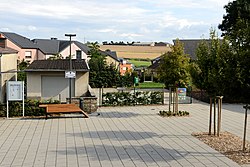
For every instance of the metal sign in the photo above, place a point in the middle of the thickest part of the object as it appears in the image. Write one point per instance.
(182, 92)
(14, 90)
(70, 74)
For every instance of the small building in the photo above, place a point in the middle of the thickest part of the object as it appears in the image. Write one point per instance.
(8, 69)
(46, 79)
(143, 44)
(125, 66)
(54, 47)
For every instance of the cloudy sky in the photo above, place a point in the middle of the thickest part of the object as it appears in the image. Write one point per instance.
(112, 20)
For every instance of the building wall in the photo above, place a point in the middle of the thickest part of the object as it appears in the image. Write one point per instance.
(41, 55)
(82, 82)
(34, 83)
(74, 48)
(21, 52)
(8, 63)
(110, 60)
(127, 66)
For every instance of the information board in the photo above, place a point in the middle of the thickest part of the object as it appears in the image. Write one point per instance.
(14, 90)
(182, 93)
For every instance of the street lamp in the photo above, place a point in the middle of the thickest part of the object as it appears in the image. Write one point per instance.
(70, 63)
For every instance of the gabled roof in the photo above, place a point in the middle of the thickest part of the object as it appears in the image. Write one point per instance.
(47, 46)
(54, 46)
(155, 64)
(7, 50)
(82, 46)
(111, 54)
(190, 46)
(19, 40)
(57, 65)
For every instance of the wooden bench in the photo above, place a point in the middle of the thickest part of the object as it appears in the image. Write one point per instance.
(62, 108)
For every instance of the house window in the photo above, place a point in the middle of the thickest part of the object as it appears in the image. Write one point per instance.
(28, 55)
(124, 68)
(78, 54)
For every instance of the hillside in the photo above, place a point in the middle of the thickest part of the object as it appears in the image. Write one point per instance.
(138, 52)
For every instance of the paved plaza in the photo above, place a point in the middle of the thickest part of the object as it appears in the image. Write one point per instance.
(119, 136)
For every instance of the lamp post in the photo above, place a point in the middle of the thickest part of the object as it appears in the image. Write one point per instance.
(70, 63)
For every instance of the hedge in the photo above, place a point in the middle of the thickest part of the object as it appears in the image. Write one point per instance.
(128, 99)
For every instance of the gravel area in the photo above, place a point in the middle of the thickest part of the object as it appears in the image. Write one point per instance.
(228, 144)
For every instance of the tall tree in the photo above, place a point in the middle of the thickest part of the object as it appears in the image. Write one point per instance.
(206, 74)
(236, 27)
(101, 73)
(174, 66)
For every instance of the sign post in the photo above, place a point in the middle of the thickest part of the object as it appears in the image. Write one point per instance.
(15, 92)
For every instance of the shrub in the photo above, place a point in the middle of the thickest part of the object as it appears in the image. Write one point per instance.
(171, 113)
(31, 108)
(128, 99)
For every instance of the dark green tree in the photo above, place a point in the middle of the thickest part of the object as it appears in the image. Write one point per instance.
(21, 75)
(174, 67)
(205, 72)
(236, 27)
(101, 74)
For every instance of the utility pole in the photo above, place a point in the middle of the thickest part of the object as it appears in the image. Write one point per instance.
(70, 64)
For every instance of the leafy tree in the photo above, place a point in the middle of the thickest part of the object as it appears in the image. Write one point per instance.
(21, 76)
(216, 69)
(174, 67)
(101, 74)
(236, 24)
(206, 74)
(97, 65)
(236, 27)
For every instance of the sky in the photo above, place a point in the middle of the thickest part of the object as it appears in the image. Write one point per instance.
(112, 20)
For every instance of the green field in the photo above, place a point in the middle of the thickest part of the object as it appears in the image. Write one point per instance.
(140, 63)
(150, 85)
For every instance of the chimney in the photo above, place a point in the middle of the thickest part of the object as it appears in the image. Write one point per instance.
(2, 41)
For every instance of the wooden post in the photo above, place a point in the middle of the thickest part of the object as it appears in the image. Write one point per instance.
(214, 116)
(176, 91)
(219, 114)
(210, 116)
(170, 99)
(173, 101)
(245, 128)
(218, 117)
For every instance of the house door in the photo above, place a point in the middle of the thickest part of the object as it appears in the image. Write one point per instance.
(56, 88)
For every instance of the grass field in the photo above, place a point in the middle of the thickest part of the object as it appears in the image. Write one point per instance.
(140, 63)
(142, 52)
(150, 85)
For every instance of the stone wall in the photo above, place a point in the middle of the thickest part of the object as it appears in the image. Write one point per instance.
(89, 104)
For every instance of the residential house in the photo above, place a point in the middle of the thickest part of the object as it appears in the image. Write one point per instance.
(165, 44)
(27, 50)
(125, 66)
(8, 68)
(46, 79)
(54, 47)
(143, 44)
(190, 46)
(111, 58)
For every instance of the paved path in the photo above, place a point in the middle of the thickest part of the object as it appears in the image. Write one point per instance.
(119, 136)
